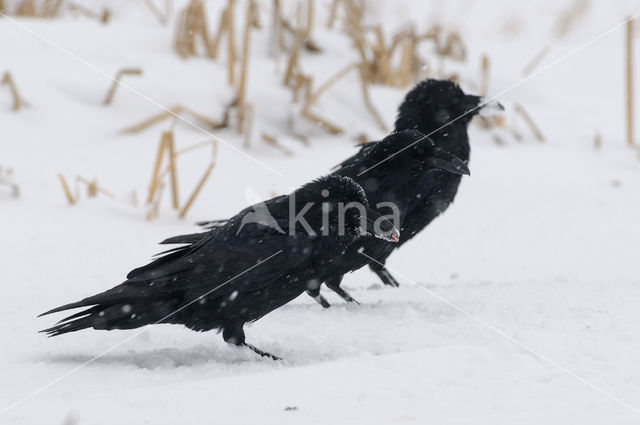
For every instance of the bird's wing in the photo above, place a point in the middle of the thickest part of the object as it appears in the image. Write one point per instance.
(190, 239)
(223, 253)
(226, 235)
(216, 224)
(354, 159)
(221, 264)
(210, 225)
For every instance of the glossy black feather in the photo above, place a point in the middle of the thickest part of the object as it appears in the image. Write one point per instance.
(441, 110)
(217, 280)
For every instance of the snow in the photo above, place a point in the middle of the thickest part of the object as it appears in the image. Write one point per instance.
(540, 245)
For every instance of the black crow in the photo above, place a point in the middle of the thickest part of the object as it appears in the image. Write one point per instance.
(241, 271)
(442, 111)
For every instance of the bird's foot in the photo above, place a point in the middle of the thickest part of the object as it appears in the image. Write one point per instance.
(343, 294)
(319, 299)
(259, 351)
(386, 277)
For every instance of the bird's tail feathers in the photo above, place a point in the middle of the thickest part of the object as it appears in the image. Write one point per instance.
(120, 315)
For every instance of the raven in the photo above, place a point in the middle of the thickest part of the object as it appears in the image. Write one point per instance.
(442, 111)
(241, 271)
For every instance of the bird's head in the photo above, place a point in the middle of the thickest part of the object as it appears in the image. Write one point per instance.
(341, 212)
(432, 104)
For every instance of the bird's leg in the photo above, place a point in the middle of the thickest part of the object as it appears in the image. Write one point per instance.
(383, 274)
(259, 351)
(234, 334)
(334, 284)
(315, 294)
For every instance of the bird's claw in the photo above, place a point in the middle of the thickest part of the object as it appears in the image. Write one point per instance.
(262, 353)
(342, 293)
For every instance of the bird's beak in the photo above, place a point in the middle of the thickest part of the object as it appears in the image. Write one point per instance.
(489, 107)
(484, 106)
(448, 162)
(381, 228)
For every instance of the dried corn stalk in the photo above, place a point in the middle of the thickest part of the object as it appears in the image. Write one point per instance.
(226, 28)
(67, 192)
(156, 188)
(161, 16)
(175, 112)
(563, 25)
(166, 148)
(484, 79)
(629, 44)
(18, 101)
(5, 180)
(376, 55)
(272, 141)
(191, 24)
(242, 84)
(597, 141)
(293, 64)
(453, 47)
(313, 97)
(304, 29)
(103, 17)
(50, 8)
(27, 8)
(92, 189)
(116, 82)
(275, 32)
(32, 8)
(535, 61)
(519, 109)
(568, 18)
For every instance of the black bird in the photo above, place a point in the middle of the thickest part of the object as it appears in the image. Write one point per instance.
(241, 271)
(442, 111)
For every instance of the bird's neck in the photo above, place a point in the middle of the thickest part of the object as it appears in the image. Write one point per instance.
(452, 138)
(455, 141)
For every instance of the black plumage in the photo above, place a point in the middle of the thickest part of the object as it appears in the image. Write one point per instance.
(239, 272)
(441, 110)
(407, 172)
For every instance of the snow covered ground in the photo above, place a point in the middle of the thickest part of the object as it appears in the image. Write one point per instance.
(519, 305)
